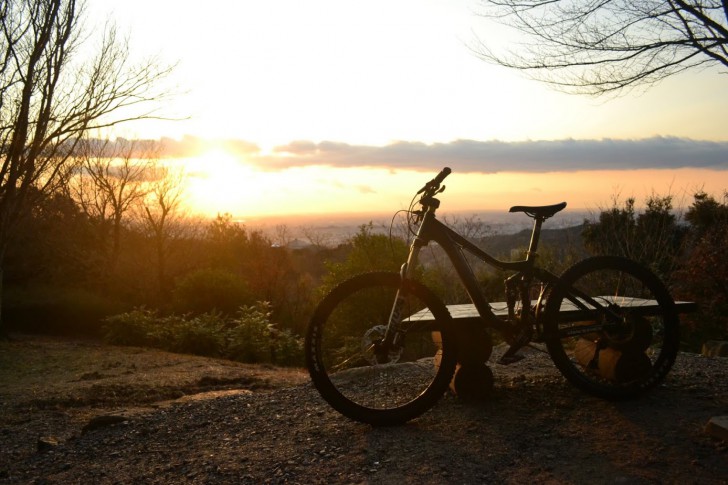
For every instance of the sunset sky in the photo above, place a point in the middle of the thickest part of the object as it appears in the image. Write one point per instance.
(340, 106)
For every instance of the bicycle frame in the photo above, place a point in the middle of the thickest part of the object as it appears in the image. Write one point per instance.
(454, 244)
(526, 270)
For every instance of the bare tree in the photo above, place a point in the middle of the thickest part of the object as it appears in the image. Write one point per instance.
(472, 227)
(317, 237)
(50, 95)
(110, 180)
(160, 214)
(282, 235)
(605, 46)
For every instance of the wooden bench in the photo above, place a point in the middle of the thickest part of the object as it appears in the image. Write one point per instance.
(473, 379)
(571, 313)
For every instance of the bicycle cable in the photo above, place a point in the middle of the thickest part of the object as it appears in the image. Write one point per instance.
(391, 233)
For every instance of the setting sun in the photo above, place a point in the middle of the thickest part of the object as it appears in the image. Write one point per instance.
(219, 180)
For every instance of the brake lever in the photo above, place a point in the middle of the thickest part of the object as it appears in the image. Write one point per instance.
(434, 184)
(431, 185)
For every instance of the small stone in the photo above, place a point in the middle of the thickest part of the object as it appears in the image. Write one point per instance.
(717, 427)
(46, 443)
(103, 421)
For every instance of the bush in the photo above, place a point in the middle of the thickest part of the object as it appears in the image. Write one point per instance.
(253, 338)
(200, 336)
(249, 339)
(132, 328)
(208, 290)
(250, 336)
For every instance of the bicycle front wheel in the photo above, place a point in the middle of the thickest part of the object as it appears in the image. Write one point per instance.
(612, 327)
(356, 372)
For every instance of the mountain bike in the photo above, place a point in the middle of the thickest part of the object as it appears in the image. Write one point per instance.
(382, 348)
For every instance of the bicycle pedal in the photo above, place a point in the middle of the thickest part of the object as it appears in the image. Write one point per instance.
(511, 359)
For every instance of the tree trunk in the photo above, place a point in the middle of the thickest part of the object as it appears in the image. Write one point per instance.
(161, 266)
(4, 335)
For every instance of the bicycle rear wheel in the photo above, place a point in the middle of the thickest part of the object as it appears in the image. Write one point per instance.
(361, 378)
(624, 345)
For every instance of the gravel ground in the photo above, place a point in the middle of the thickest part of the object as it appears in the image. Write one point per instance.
(534, 429)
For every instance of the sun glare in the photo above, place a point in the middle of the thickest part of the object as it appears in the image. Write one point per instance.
(220, 181)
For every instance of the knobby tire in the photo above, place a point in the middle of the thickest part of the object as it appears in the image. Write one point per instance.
(376, 389)
(640, 341)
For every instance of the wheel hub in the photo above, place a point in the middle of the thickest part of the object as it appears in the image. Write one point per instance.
(375, 349)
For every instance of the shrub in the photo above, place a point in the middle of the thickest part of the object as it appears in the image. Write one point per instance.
(207, 290)
(200, 336)
(130, 328)
(250, 336)
(253, 338)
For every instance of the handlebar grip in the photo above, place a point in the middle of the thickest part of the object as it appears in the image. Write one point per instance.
(441, 176)
(435, 183)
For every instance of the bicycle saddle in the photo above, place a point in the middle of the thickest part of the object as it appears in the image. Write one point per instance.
(540, 211)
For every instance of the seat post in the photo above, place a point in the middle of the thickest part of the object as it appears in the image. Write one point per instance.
(535, 235)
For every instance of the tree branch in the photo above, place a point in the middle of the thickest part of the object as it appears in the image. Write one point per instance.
(601, 46)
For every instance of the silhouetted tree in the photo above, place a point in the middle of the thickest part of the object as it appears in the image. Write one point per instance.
(110, 181)
(704, 274)
(51, 245)
(652, 237)
(50, 97)
(160, 214)
(597, 47)
(706, 214)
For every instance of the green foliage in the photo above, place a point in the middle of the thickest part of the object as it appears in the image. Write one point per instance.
(614, 233)
(249, 336)
(136, 327)
(207, 290)
(369, 252)
(200, 335)
(253, 338)
(250, 340)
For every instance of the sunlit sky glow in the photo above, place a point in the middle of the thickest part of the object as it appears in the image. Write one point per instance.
(336, 105)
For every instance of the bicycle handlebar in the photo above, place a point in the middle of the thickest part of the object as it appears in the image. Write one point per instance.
(435, 183)
(441, 176)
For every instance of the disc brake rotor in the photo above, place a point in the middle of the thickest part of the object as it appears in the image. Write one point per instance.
(369, 346)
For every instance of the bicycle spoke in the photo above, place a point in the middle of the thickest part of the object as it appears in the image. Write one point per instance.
(368, 370)
(623, 342)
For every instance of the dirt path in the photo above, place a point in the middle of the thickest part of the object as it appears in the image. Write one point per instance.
(251, 424)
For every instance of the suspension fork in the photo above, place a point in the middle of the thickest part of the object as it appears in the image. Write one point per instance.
(393, 335)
